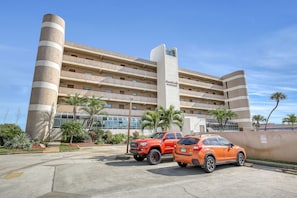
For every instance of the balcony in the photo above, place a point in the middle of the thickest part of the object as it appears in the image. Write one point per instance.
(194, 83)
(195, 94)
(108, 67)
(88, 78)
(194, 105)
(63, 91)
(110, 111)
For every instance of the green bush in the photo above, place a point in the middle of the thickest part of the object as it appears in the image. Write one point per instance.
(21, 141)
(115, 139)
(8, 132)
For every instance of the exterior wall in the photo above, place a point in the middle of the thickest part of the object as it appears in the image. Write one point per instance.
(271, 145)
(46, 76)
(65, 68)
(167, 75)
(194, 125)
(236, 98)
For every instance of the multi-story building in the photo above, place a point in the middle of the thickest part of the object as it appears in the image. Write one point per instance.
(65, 68)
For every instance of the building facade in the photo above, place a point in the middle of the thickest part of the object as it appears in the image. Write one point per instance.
(64, 68)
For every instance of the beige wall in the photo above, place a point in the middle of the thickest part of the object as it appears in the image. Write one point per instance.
(272, 145)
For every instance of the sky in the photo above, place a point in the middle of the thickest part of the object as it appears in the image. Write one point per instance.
(215, 37)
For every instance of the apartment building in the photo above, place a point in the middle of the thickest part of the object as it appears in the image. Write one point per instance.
(64, 68)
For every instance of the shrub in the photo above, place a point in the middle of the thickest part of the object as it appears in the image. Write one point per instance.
(116, 139)
(8, 132)
(21, 141)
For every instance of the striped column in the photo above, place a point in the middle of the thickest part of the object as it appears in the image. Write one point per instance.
(46, 79)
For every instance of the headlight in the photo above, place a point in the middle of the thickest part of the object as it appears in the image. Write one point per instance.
(143, 143)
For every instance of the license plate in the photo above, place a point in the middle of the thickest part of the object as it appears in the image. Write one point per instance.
(183, 150)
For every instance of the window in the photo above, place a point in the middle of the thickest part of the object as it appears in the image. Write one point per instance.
(122, 78)
(178, 136)
(191, 112)
(134, 107)
(73, 55)
(108, 76)
(121, 106)
(170, 52)
(108, 106)
(224, 142)
(134, 94)
(87, 88)
(70, 86)
(72, 70)
(170, 136)
(108, 90)
(122, 92)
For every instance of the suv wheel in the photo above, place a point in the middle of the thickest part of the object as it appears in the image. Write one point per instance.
(154, 157)
(182, 164)
(240, 159)
(210, 164)
(138, 158)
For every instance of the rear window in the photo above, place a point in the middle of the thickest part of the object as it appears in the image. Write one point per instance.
(188, 141)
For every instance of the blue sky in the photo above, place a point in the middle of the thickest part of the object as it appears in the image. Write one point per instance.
(214, 37)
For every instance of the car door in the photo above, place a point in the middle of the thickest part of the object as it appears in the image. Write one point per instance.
(169, 142)
(229, 152)
(217, 148)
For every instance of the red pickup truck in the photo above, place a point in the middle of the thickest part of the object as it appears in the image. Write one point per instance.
(154, 147)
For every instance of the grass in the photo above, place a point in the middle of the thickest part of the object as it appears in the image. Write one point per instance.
(68, 147)
(15, 151)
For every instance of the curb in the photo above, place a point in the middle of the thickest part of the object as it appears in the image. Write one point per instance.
(273, 164)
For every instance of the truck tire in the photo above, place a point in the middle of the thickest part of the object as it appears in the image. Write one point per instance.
(154, 157)
(138, 158)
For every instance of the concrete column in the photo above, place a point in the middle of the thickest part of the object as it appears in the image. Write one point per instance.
(167, 76)
(44, 93)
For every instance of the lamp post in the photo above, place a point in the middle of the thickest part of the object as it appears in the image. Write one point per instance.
(129, 121)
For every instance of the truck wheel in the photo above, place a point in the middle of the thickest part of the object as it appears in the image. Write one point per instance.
(154, 157)
(138, 158)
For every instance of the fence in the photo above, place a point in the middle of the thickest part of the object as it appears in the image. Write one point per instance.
(271, 145)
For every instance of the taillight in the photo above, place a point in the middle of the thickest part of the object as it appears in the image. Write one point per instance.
(197, 148)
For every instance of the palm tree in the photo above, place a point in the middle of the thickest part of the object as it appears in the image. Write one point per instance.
(94, 107)
(75, 100)
(151, 120)
(277, 96)
(291, 119)
(70, 129)
(222, 116)
(256, 121)
(170, 117)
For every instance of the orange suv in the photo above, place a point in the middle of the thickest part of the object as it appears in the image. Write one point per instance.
(207, 151)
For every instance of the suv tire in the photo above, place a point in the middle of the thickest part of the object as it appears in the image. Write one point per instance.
(138, 158)
(210, 164)
(240, 159)
(154, 157)
(182, 164)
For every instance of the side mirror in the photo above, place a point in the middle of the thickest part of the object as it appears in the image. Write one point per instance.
(231, 145)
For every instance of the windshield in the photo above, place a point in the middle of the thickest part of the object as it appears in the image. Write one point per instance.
(188, 141)
(157, 135)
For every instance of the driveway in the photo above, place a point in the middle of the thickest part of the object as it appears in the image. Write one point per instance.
(98, 172)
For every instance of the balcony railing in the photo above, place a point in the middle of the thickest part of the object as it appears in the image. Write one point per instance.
(189, 93)
(110, 111)
(200, 84)
(107, 81)
(63, 91)
(194, 105)
(108, 67)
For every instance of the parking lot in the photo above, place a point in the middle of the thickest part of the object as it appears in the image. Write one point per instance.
(102, 171)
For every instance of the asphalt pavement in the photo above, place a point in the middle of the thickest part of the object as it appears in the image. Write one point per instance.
(106, 171)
